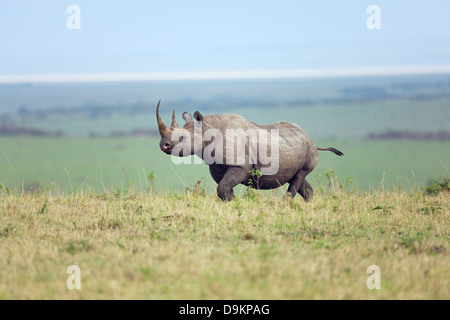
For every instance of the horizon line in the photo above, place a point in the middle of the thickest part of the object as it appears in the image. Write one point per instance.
(223, 75)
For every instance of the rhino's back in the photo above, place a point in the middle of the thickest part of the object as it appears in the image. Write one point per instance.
(296, 148)
(235, 121)
(293, 141)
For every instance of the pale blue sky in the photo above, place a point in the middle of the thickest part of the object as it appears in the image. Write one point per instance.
(197, 35)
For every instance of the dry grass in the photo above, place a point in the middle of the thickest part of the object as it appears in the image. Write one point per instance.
(142, 246)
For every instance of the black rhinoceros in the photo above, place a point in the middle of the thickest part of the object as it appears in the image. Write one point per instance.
(235, 148)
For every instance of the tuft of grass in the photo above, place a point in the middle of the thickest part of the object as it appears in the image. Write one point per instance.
(198, 189)
(437, 186)
(251, 191)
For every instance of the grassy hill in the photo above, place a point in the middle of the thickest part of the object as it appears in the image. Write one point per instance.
(147, 246)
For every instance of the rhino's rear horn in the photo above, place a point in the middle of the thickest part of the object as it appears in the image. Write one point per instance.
(174, 124)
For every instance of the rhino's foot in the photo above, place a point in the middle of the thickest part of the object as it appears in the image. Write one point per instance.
(232, 178)
(306, 191)
(226, 196)
(288, 195)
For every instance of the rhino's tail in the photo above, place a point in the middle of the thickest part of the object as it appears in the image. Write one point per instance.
(335, 151)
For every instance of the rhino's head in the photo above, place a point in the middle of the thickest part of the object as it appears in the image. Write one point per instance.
(181, 139)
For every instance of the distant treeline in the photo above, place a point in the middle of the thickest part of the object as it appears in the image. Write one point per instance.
(7, 129)
(410, 135)
(131, 133)
(12, 130)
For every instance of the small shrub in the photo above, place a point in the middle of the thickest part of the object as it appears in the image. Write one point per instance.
(42, 210)
(438, 186)
(5, 189)
(250, 192)
(333, 181)
(198, 189)
(386, 210)
(151, 179)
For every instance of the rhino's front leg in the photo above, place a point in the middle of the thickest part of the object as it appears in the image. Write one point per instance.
(232, 178)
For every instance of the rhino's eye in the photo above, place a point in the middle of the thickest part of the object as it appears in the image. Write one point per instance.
(166, 145)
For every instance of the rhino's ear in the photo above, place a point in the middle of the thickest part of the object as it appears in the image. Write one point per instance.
(198, 116)
(187, 117)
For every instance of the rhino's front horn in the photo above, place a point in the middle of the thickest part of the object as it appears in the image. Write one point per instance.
(163, 130)
(174, 124)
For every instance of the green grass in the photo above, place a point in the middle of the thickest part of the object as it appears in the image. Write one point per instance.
(106, 164)
(101, 164)
(141, 246)
(390, 164)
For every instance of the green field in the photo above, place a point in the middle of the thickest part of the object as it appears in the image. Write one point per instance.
(337, 112)
(106, 164)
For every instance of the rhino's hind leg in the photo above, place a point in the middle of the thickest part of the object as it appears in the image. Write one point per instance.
(295, 183)
(300, 185)
(306, 191)
(232, 178)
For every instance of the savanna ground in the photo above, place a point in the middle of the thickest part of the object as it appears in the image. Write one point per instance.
(193, 246)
